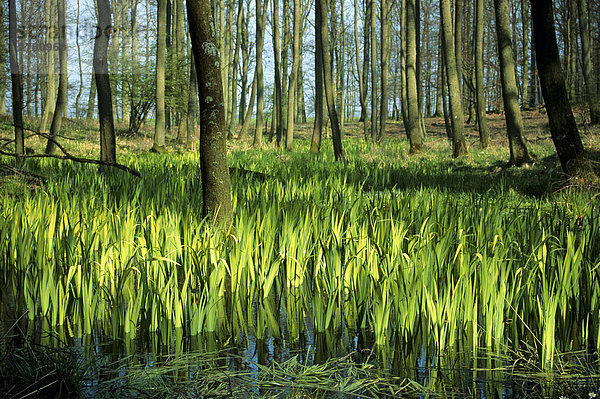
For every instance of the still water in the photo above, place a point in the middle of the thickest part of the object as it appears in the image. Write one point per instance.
(342, 363)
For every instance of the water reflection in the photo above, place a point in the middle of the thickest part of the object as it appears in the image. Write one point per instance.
(170, 359)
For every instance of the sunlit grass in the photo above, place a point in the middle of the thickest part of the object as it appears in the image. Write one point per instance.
(460, 251)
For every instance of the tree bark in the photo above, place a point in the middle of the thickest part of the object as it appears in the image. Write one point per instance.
(359, 67)
(413, 127)
(484, 136)
(3, 54)
(61, 98)
(456, 109)
(161, 60)
(289, 136)
(563, 128)
(514, 122)
(261, 19)
(586, 55)
(216, 187)
(15, 75)
(278, 100)
(373, 27)
(315, 145)
(385, 66)
(50, 103)
(328, 81)
(108, 152)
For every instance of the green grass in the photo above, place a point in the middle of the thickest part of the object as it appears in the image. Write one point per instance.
(462, 253)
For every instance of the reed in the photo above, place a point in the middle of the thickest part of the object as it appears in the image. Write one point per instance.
(396, 246)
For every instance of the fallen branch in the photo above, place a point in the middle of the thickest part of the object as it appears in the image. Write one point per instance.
(68, 156)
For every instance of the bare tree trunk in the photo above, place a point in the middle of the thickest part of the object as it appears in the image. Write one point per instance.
(80, 91)
(3, 54)
(456, 108)
(261, 19)
(484, 136)
(373, 29)
(289, 137)
(315, 145)
(61, 99)
(562, 122)
(514, 122)
(413, 128)
(278, 107)
(359, 71)
(50, 103)
(328, 80)
(385, 66)
(15, 75)
(216, 187)
(161, 48)
(108, 152)
(586, 53)
(525, 22)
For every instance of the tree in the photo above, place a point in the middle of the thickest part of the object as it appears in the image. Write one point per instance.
(457, 118)
(586, 53)
(563, 128)
(278, 100)
(328, 81)
(61, 98)
(514, 122)
(161, 61)
(385, 65)
(413, 127)
(216, 187)
(315, 145)
(15, 75)
(261, 19)
(108, 151)
(289, 137)
(484, 136)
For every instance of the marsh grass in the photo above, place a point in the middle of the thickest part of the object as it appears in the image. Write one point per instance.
(465, 251)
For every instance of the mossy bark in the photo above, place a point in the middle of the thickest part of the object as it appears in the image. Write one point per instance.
(514, 121)
(457, 118)
(413, 126)
(563, 128)
(216, 187)
(484, 136)
(161, 61)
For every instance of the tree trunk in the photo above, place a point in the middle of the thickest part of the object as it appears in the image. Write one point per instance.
(15, 75)
(61, 99)
(108, 152)
(3, 54)
(456, 109)
(289, 137)
(373, 27)
(91, 98)
(192, 106)
(161, 49)
(560, 115)
(385, 66)
(413, 127)
(361, 80)
(278, 100)
(328, 81)
(216, 188)
(261, 19)
(50, 102)
(233, 117)
(484, 136)
(514, 122)
(459, 10)
(586, 53)
(525, 22)
(315, 145)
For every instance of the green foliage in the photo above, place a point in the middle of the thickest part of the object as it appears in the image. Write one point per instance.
(456, 253)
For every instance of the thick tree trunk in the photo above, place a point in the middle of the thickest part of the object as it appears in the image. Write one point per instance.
(562, 122)
(586, 57)
(50, 101)
(15, 75)
(315, 145)
(216, 187)
(514, 122)
(526, 23)
(108, 152)
(484, 136)
(359, 67)
(456, 108)
(413, 127)
(328, 80)
(61, 99)
(161, 61)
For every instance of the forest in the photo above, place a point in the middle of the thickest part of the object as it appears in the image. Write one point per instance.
(304, 198)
